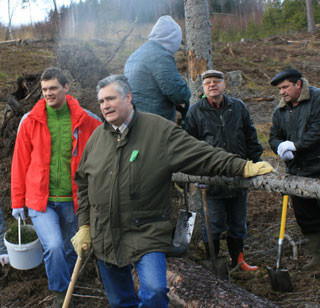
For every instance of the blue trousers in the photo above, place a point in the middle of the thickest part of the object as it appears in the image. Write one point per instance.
(119, 286)
(55, 228)
(229, 215)
(3, 249)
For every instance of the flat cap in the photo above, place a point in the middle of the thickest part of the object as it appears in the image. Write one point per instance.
(212, 73)
(285, 74)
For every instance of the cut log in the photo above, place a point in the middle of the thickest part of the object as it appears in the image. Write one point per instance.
(193, 286)
(286, 184)
(10, 42)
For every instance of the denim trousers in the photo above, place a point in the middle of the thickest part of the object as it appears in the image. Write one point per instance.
(229, 214)
(3, 249)
(55, 228)
(119, 285)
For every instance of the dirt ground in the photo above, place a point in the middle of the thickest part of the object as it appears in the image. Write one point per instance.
(258, 62)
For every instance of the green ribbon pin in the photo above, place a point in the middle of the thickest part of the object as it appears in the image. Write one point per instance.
(134, 155)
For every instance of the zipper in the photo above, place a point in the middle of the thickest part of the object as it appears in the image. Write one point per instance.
(58, 152)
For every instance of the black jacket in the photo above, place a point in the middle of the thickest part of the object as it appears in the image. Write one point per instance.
(232, 130)
(301, 125)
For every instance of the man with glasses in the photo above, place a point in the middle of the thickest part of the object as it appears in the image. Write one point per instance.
(225, 122)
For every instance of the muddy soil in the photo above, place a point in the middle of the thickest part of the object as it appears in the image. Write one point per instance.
(258, 62)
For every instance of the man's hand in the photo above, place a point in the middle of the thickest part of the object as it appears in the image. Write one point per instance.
(16, 213)
(259, 168)
(4, 259)
(287, 155)
(284, 147)
(82, 241)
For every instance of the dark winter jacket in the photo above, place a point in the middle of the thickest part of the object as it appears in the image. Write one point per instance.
(231, 129)
(157, 86)
(301, 125)
(125, 187)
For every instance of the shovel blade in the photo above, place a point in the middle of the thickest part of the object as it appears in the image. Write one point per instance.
(184, 229)
(280, 280)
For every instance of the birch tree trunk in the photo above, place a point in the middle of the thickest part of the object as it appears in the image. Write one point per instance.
(310, 16)
(199, 46)
(57, 19)
(281, 183)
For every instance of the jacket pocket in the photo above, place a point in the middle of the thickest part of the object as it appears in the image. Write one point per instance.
(96, 229)
(139, 221)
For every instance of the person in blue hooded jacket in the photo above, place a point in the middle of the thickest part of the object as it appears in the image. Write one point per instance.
(4, 258)
(157, 86)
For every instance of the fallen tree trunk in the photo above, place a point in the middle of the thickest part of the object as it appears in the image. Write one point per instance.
(193, 286)
(286, 184)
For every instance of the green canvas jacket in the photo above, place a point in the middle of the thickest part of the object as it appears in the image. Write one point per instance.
(125, 186)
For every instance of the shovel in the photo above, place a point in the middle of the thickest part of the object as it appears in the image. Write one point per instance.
(184, 227)
(280, 278)
(219, 264)
(73, 280)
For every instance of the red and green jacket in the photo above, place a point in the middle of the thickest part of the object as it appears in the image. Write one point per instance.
(30, 170)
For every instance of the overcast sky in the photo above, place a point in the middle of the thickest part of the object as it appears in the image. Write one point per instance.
(39, 11)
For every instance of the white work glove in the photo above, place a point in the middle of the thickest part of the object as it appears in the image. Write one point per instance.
(18, 212)
(287, 156)
(4, 259)
(285, 146)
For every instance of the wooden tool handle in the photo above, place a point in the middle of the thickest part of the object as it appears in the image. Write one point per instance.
(73, 280)
(72, 283)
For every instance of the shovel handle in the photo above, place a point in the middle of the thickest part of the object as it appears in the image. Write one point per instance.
(207, 219)
(185, 193)
(283, 217)
(72, 283)
(73, 280)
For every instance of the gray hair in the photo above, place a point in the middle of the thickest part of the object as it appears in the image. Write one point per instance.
(120, 82)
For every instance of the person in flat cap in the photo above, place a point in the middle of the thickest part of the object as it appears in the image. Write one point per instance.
(225, 122)
(295, 137)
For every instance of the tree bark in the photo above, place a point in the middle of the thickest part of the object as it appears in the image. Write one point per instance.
(199, 46)
(310, 16)
(193, 286)
(57, 20)
(285, 184)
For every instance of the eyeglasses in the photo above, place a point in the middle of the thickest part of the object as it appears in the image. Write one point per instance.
(214, 81)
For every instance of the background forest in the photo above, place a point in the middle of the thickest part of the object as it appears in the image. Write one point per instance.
(231, 20)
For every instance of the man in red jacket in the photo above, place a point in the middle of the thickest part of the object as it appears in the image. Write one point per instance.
(48, 148)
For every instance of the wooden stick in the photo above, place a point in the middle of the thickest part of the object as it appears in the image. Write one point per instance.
(72, 283)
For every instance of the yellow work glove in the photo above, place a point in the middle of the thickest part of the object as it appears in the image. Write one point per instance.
(82, 241)
(259, 168)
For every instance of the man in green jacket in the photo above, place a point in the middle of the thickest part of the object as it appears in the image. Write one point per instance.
(124, 180)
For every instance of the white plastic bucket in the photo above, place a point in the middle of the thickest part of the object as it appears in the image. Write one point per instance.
(24, 256)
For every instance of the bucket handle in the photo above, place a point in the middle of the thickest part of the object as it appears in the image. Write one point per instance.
(19, 230)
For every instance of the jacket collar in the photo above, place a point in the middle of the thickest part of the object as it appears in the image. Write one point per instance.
(206, 105)
(107, 126)
(305, 94)
(39, 112)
